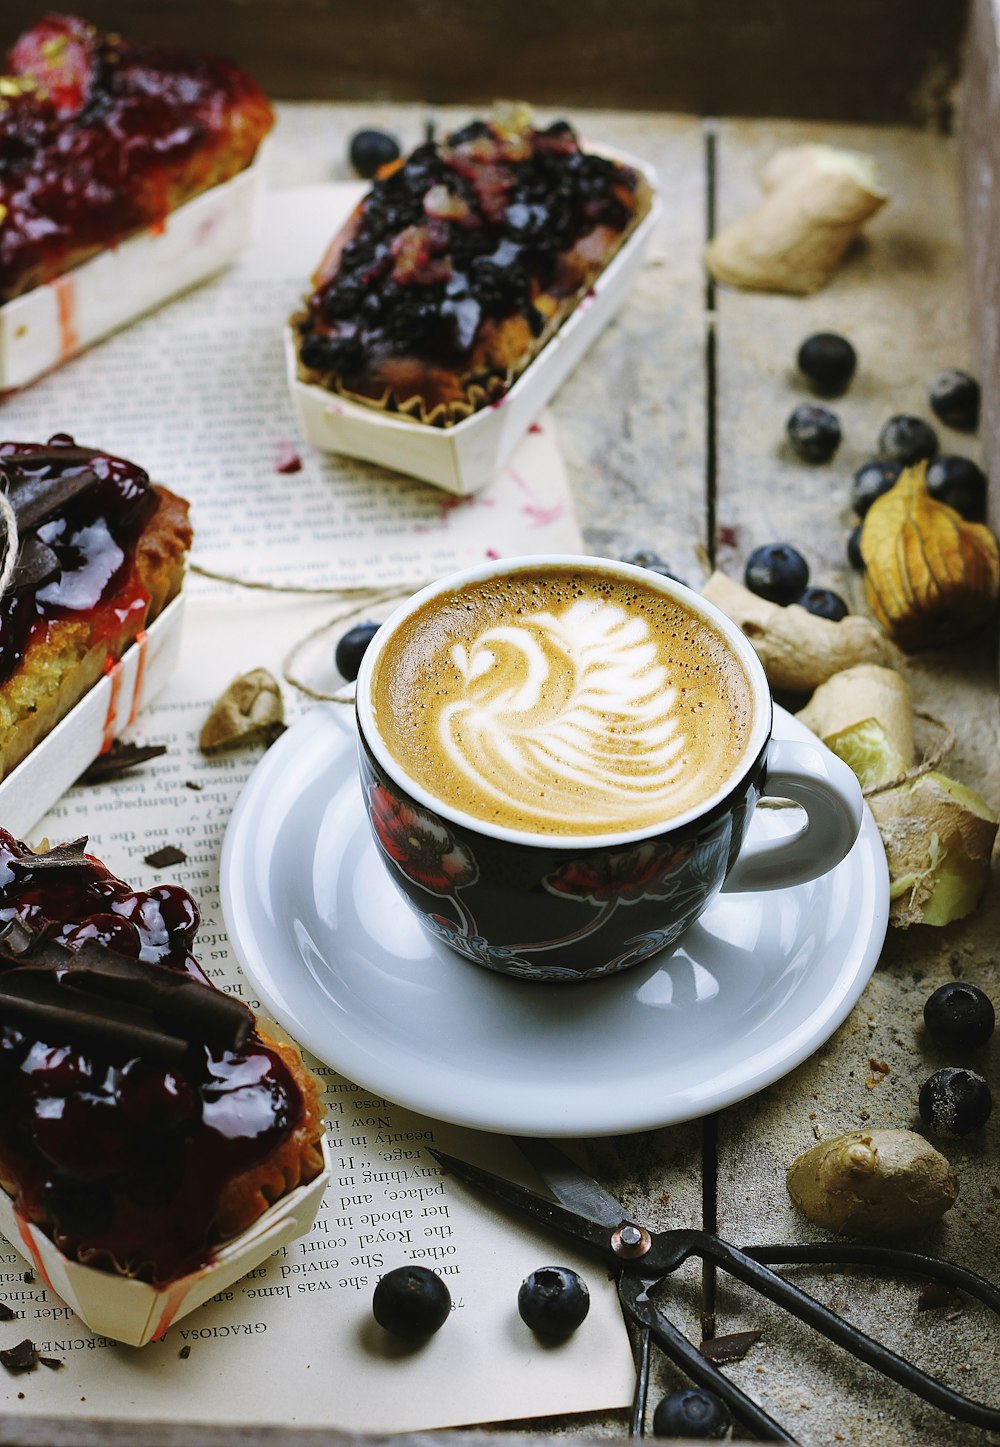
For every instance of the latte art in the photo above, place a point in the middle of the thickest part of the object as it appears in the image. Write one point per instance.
(551, 703)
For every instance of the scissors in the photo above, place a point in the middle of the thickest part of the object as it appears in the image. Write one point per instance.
(592, 1218)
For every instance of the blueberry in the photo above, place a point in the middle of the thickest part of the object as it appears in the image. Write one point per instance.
(960, 1014)
(828, 361)
(411, 1302)
(778, 572)
(961, 484)
(351, 649)
(955, 1101)
(907, 440)
(825, 603)
(692, 1412)
(854, 556)
(369, 150)
(814, 432)
(553, 1301)
(653, 563)
(871, 481)
(954, 397)
(332, 354)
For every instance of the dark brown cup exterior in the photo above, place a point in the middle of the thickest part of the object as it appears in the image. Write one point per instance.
(556, 914)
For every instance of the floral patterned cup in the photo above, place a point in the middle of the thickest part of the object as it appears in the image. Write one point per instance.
(558, 907)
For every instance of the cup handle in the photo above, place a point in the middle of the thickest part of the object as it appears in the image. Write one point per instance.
(830, 794)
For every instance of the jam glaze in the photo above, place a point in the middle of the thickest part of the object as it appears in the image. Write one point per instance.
(91, 537)
(123, 1159)
(101, 136)
(464, 233)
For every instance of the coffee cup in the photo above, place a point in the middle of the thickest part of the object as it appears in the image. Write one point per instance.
(560, 757)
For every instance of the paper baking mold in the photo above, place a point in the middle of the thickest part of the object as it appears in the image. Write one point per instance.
(58, 760)
(464, 457)
(61, 317)
(136, 1313)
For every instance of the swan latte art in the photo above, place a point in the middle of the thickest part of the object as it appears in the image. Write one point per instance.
(563, 701)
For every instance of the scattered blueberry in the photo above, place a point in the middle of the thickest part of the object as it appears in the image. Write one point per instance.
(692, 1412)
(351, 649)
(411, 1302)
(371, 149)
(871, 481)
(828, 361)
(961, 484)
(960, 1014)
(553, 1301)
(825, 603)
(814, 432)
(955, 1101)
(653, 563)
(854, 556)
(907, 440)
(954, 397)
(777, 572)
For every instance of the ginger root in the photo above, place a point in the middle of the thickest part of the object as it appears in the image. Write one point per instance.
(250, 709)
(873, 1183)
(798, 650)
(816, 200)
(864, 715)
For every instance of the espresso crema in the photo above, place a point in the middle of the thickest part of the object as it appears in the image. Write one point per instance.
(563, 702)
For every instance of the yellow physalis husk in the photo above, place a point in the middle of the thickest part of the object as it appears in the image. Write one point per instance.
(250, 709)
(931, 577)
(938, 838)
(873, 1183)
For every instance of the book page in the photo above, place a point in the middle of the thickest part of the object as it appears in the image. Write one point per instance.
(294, 1342)
(196, 394)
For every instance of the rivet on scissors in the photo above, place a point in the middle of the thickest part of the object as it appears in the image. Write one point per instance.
(630, 1242)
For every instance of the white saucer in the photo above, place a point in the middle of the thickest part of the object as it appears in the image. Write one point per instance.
(337, 957)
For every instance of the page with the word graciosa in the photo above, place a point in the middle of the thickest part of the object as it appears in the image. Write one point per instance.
(196, 394)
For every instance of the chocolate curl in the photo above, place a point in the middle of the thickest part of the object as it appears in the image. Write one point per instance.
(35, 499)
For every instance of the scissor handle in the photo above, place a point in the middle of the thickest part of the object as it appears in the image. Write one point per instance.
(748, 1266)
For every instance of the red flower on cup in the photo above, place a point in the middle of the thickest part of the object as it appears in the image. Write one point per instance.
(421, 847)
(645, 872)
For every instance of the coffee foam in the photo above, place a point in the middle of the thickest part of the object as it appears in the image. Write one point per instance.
(563, 703)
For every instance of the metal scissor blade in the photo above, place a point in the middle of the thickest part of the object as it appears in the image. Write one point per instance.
(537, 1208)
(569, 1184)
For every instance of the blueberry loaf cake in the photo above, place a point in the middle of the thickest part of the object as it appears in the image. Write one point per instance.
(102, 136)
(100, 551)
(460, 264)
(146, 1118)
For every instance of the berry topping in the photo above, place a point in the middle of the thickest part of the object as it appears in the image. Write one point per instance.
(907, 440)
(814, 432)
(824, 602)
(955, 1102)
(692, 1412)
(777, 572)
(871, 481)
(828, 361)
(960, 1014)
(961, 484)
(411, 1302)
(351, 648)
(553, 1301)
(954, 398)
(370, 150)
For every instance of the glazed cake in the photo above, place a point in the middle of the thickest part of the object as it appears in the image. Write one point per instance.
(101, 137)
(101, 553)
(146, 1119)
(460, 264)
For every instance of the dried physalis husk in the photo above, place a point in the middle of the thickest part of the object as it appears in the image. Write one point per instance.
(931, 577)
(873, 1183)
(250, 709)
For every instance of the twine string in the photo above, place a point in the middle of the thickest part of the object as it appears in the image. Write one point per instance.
(10, 543)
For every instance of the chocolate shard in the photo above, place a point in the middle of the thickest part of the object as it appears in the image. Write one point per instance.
(169, 854)
(36, 561)
(63, 856)
(16, 939)
(732, 1348)
(53, 1363)
(7, 1313)
(35, 497)
(20, 1358)
(118, 760)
